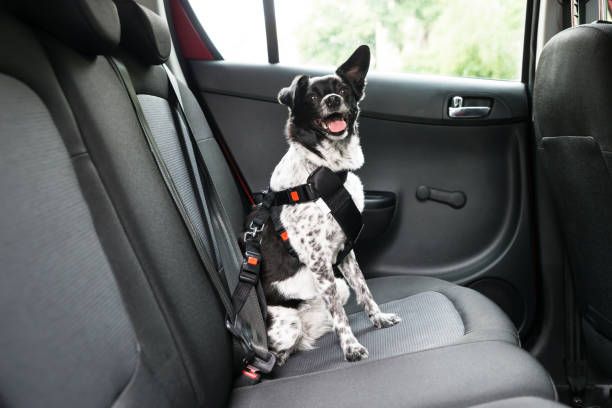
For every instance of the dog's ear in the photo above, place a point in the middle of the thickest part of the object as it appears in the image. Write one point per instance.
(355, 69)
(289, 95)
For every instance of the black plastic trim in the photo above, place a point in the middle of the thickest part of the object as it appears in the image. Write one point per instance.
(530, 46)
(376, 200)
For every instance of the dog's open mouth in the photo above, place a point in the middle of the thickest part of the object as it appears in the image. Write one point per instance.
(334, 124)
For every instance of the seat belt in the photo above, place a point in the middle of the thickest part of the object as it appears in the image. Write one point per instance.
(253, 316)
(576, 369)
(256, 357)
(223, 219)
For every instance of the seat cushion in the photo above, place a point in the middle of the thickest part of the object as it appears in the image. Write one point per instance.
(456, 376)
(434, 313)
(482, 319)
(522, 402)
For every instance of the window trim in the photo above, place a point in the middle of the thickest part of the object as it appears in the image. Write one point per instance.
(271, 36)
(530, 42)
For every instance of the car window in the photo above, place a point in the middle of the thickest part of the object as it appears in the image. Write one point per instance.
(236, 28)
(476, 38)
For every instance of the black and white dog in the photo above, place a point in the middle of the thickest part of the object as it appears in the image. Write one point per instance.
(304, 298)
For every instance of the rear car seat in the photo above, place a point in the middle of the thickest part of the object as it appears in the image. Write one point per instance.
(458, 314)
(97, 207)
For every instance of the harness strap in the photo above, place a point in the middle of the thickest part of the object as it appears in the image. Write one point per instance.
(280, 230)
(323, 184)
(331, 189)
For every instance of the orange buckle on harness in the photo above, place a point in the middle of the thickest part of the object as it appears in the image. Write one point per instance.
(294, 196)
(284, 235)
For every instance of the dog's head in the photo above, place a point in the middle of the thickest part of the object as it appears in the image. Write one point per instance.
(326, 107)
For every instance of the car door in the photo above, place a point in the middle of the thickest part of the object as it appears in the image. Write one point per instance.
(447, 168)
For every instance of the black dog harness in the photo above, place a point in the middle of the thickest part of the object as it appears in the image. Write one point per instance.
(322, 184)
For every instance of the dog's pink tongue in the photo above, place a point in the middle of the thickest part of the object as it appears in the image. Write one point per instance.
(336, 125)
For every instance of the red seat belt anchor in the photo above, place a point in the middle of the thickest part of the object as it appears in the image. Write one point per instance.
(251, 373)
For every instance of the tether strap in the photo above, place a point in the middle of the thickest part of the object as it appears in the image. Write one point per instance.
(251, 263)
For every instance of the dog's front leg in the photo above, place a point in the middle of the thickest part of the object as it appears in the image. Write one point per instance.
(325, 285)
(354, 277)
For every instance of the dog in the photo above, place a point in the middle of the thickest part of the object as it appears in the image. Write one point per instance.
(305, 300)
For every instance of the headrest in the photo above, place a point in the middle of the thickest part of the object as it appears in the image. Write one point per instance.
(90, 26)
(144, 33)
(573, 91)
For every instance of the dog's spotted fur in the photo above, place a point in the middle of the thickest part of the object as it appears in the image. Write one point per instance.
(314, 234)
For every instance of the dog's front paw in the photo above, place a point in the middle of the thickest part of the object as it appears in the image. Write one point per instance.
(355, 352)
(381, 320)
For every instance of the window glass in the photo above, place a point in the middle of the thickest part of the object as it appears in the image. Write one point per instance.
(475, 38)
(236, 27)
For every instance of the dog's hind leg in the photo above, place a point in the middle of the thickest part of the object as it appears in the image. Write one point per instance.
(352, 273)
(316, 321)
(284, 331)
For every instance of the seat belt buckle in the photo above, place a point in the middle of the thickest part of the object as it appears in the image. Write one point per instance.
(252, 374)
(256, 361)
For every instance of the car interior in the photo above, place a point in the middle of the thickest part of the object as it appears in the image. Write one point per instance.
(134, 145)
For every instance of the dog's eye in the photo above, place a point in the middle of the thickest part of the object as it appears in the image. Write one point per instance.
(343, 91)
(314, 98)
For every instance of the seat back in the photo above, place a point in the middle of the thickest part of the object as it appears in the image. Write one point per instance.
(105, 301)
(573, 120)
(72, 301)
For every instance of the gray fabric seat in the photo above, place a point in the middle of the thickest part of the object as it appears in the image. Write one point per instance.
(111, 305)
(455, 376)
(521, 402)
(79, 324)
(572, 111)
(435, 313)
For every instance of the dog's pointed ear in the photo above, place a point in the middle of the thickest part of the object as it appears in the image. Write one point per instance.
(355, 69)
(287, 96)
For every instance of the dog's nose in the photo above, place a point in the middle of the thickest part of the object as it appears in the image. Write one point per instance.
(333, 101)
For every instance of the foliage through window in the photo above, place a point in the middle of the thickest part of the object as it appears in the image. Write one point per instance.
(475, 38)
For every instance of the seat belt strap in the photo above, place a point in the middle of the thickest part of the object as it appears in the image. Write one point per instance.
(262, 359)
(194, 174)
(123, 75)
(254, 353)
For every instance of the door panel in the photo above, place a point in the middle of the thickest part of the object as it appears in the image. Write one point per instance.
(409, 141)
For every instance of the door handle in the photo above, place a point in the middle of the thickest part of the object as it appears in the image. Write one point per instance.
(459, 111)
(455, 199)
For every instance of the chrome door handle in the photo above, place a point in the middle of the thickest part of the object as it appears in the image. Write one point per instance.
(457, 110)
